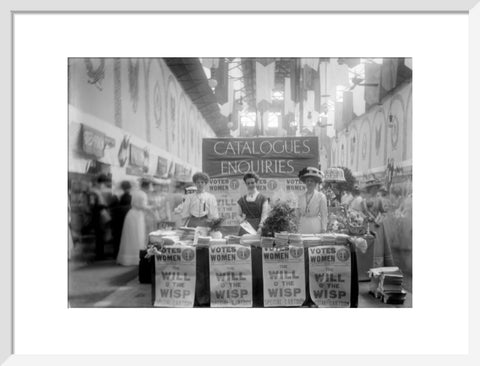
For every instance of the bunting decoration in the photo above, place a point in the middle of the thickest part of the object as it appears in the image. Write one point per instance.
(318, 92)
(133, 70)
(347, 105)
(372, 76)
(227, 103)
(221, 75)
(264, 84)
(288, 105)
(388, 75)
(210, 63)
(295, 80)
(310, 72)
(95, 75)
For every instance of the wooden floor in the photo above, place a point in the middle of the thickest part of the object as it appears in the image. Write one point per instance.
(137, 295)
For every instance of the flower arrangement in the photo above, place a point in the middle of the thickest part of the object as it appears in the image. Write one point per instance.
(281, 218)
(356, 222)
(337, 219)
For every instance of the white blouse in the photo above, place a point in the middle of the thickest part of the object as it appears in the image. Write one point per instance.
(316, 205)
(139, 200)
(199, 205)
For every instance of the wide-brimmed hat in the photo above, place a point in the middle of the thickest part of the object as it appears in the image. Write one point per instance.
(372, 183)
(310, 172)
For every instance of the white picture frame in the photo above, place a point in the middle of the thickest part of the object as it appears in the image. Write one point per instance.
(11, 8)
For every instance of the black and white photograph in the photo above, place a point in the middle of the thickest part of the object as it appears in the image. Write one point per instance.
(240, 182)
(232, 183)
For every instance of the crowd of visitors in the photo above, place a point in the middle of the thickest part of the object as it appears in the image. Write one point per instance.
(120, 217)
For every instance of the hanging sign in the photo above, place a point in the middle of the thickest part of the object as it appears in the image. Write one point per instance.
(230, 276)
(330, 275)
(175, 271)
(283, 276)
(93, 141)
(281, 157)
(276, 160)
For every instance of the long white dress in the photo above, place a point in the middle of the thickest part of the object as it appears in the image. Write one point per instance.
(134, 232)
(313, 213)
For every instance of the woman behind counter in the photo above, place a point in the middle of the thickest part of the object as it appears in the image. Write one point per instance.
(312, 206)
(253, 207)
(200, 207)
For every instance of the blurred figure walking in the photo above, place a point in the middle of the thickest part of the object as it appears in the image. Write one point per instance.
(118, 214)
(136, 226)
(101, 200)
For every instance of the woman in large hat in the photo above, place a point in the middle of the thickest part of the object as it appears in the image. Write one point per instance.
(312, 206)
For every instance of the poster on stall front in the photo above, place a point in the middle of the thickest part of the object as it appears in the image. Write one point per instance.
(230, 276)
(330, 275)
(175, 270)
(283, 276)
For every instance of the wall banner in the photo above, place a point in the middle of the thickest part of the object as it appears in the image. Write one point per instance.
(137, 156)
(230, 276)
(283, 276)
(330, 275)
(162, 167)
(93, 142)
(175, 271)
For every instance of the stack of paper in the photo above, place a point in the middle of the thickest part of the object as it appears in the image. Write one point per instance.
(233, 239)
(386, 283)
(327, 239)
(249, 239)
(186, 233)
(266, 242)
(217, 242)
(311, 241)
(295, 239)
(162, 237)
(281, 239)
(203, 241)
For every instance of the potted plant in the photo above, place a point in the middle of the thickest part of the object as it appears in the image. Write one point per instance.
(281, 218)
